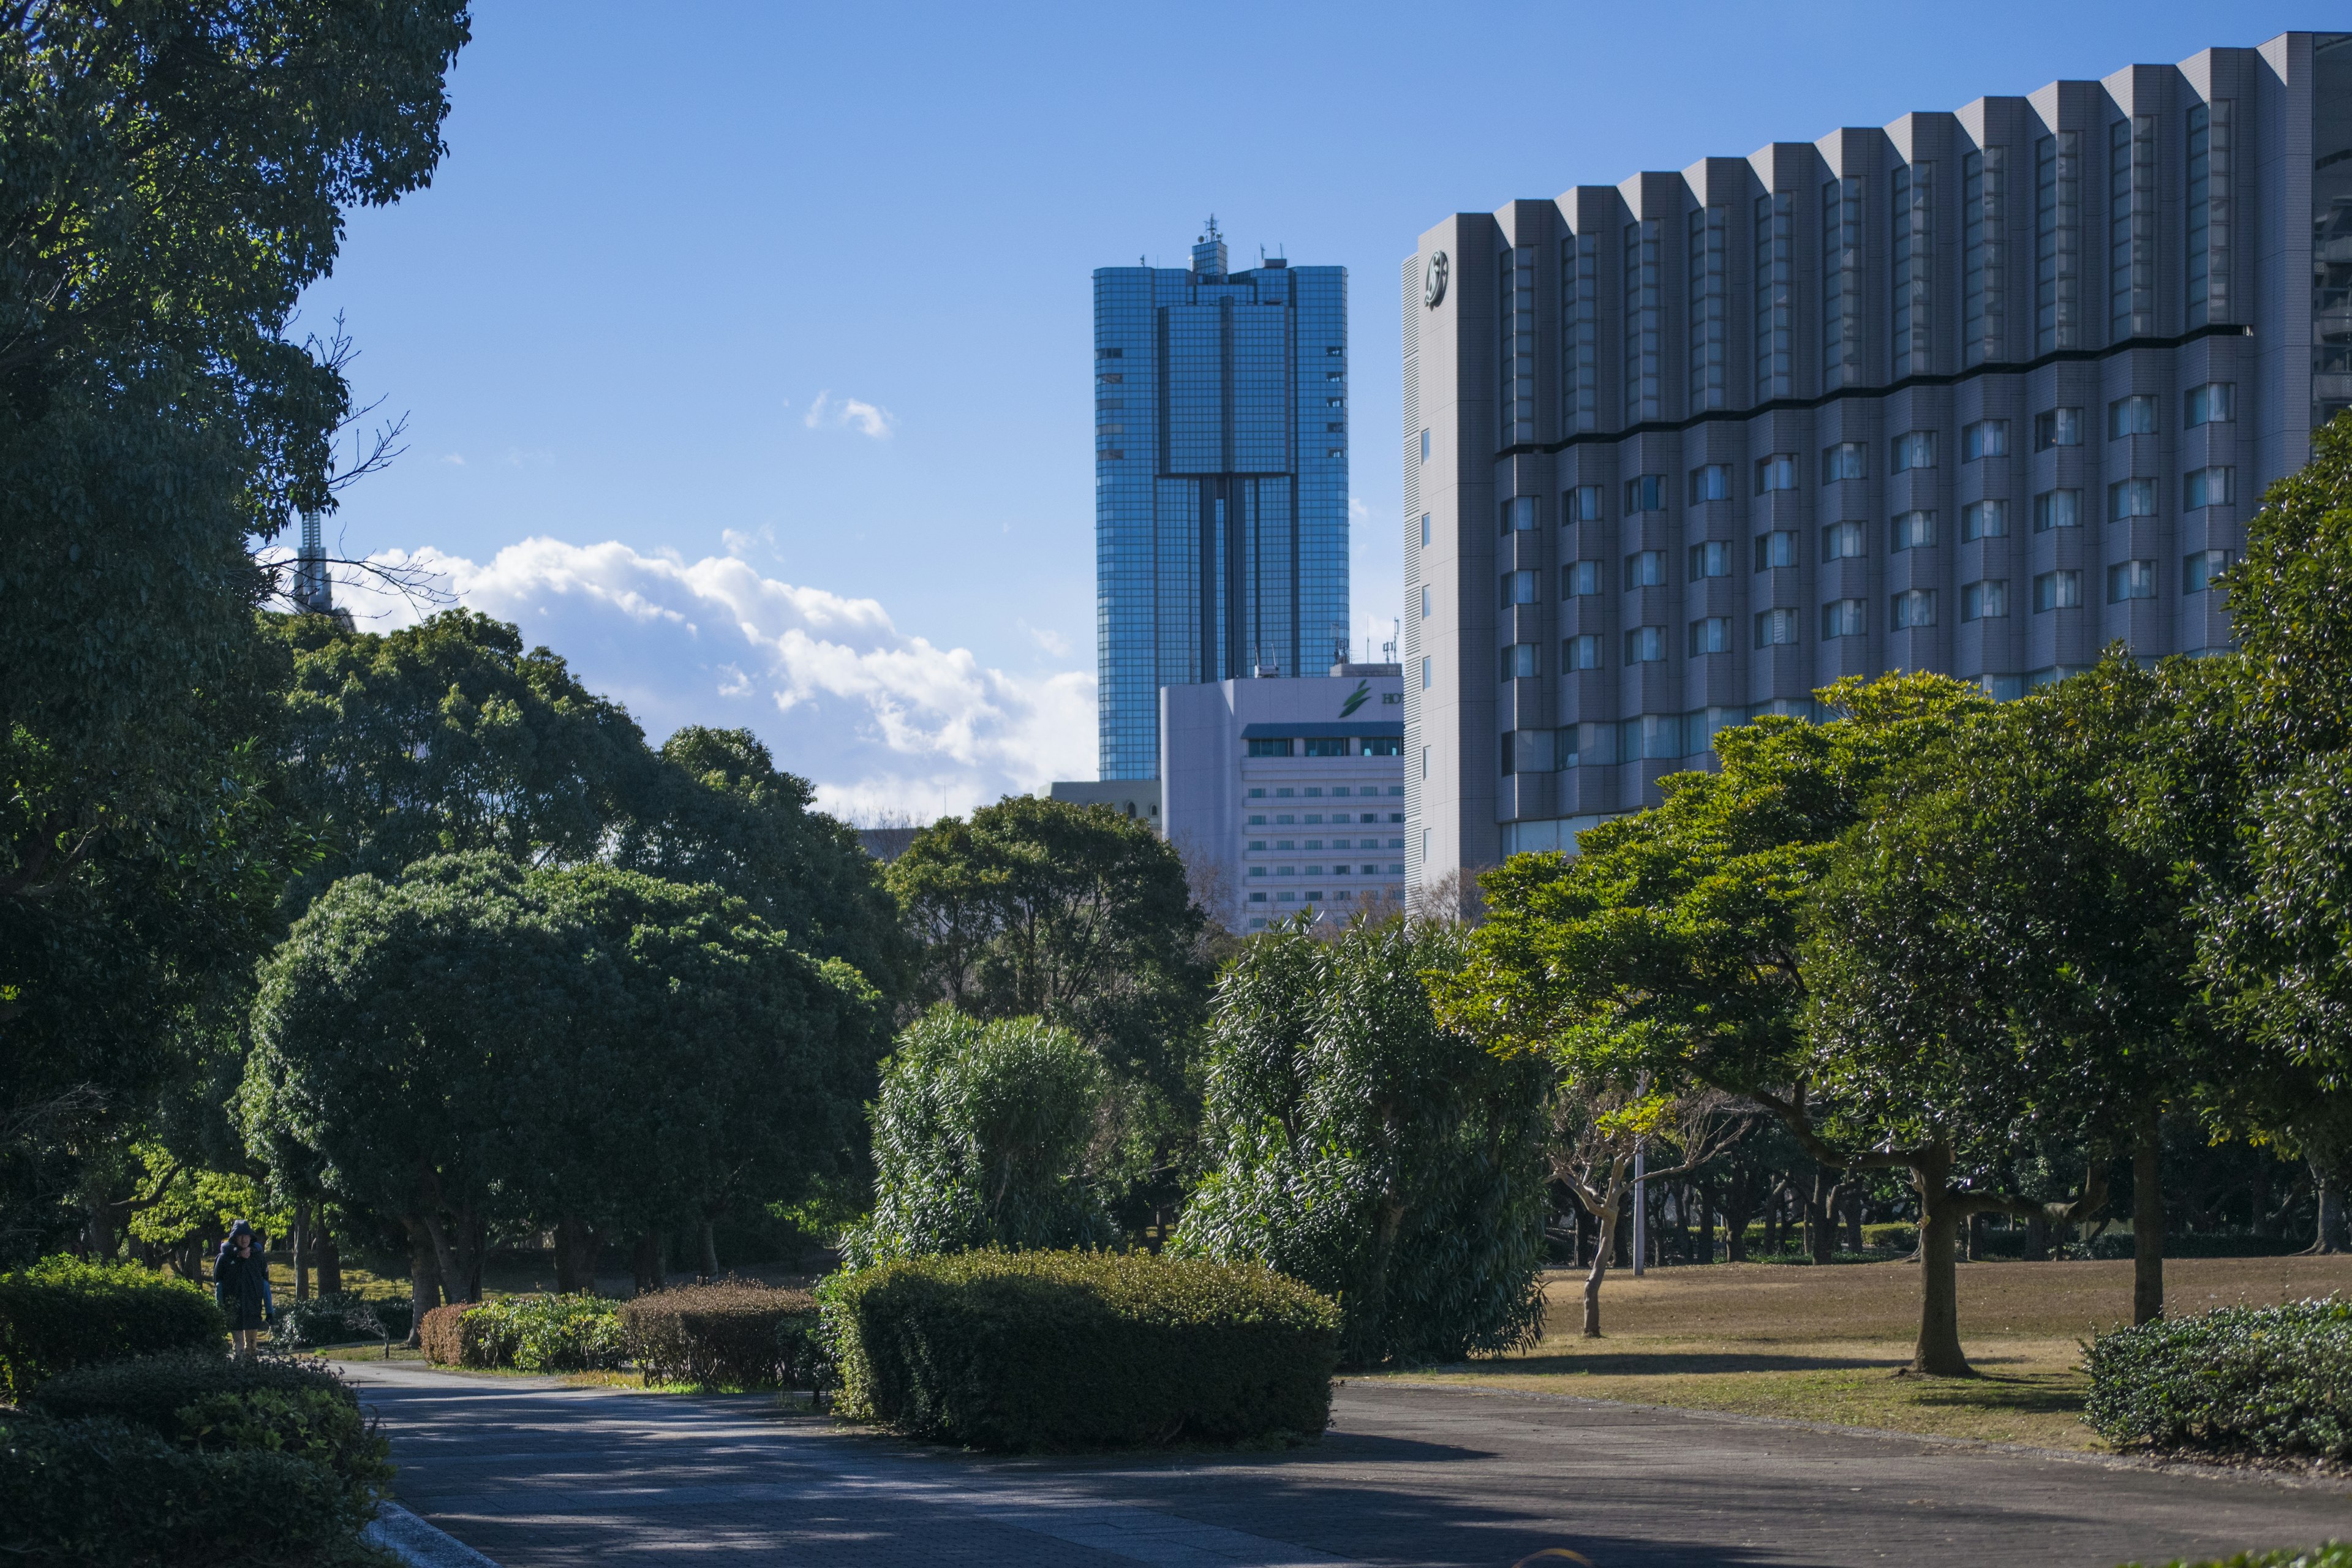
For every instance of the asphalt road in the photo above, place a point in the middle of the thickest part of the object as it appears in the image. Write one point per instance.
(537, 1476)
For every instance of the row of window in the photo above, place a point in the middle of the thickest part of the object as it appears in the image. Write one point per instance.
(2213, 403)
(1312, 844)
(1314, 818)
(1315, 792)
(1315, 896)
(1330, 746)
(1367, 868)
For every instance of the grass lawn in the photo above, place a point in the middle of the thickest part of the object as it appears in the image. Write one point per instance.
(1822, 1344)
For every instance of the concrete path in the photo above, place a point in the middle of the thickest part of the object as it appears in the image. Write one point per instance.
(537, 1476)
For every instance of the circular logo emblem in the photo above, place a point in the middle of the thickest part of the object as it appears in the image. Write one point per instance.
(1433, 288)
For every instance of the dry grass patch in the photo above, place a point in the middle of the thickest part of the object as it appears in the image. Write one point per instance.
(1823, 1344)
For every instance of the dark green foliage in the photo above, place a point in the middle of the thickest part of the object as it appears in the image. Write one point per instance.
(211, 1403)
(109, 1494)
(1063, 1350)
(547, 1333)
(1369, 1151)
(983, 1134)
(2333, 1554)
(336, 1318)
(2254, 1380)
(730, 1332)
(63, 1313)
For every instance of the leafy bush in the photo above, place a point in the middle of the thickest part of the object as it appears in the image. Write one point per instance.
(338, 1317)
(735, 1332)
(1063, 1349)
(62, 1313)
(209, 1404)
(2262, 1380)
(2334, 1554)
(450, 1338)
(547, 1333)
(983, 1136)
(1898, 1235)
(111, 1494)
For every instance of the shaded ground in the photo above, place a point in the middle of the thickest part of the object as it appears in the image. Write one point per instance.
(539, 1476)
(1821, 1344)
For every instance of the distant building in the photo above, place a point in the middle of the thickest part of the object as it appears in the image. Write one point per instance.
(1977, 392)
(1221, 482)
(1287, 796)
(887, 844)
(1137, 798)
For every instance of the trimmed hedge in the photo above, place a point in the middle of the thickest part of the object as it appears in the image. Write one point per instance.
(339, 1317)
(2333, 1554)
(1066, 1350)
(447, 1339)
(547, 1333)
(62, 1313)
(2260, 1380)
(111, 1494)
(733, 1332)
(209, 1404)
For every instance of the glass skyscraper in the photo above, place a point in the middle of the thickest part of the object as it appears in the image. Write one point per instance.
(1221, 482)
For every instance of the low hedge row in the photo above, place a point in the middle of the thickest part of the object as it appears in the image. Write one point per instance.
(734, 1332)
(62, 1313)
(547, 1333)
(2258, 1380)
(1035, 1350)
(338, 1317)
(2333, 1554)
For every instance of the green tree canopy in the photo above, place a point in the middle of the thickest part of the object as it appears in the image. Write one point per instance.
(1364, 1147)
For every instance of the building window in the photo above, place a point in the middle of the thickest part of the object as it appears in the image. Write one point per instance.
(1645, 492)
(1984, 174)
(1424, 672)
(1515, 315)
(1985, 438)
(1580, 290)
(1710, 634)
(1710, 482)
(1775, 628)
(1564, 753)
(1518, 661)
(1520, 514)
(1710, 559)
(1906, 612)
(2131, 226)
(2057, 428)
(1580, 579)
(2057, 591)
(1425, 601)
(2057, 508)
(1842, 542)
(2197, 571)
(1519, 588)
(1846, 460)
(2131, 580)
(1334, 746)
(1842, 619)
(1581, 504)
(1776, 548)
(1580, 653)
(1776, 472)
(2131, 497)
(1709, 309)
(1776, 295)
(1645, 328)
(2057, 241)
(1646, 645)
(1914, 254)
(1645, 569)
(1911, 530)
(1915, 450)
(1985, 601)
(2131, 416)
(1269, 748)
(1424, 530)
(1984, 519)
(2214, 403)
(2210, 158)
(1382, 746)
(2208, 487)
(1842, 290)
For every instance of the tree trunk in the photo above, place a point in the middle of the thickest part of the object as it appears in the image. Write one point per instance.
(330, 1261)
(300, 1237)
(1604, 1226)
(1706, 1221)
(1938, 1352)
(423, 1274)
(1820, 1218)
(2148, 1220)
(709, 1244)
(648, 1264)
(477, 1230)
(2327, 1185)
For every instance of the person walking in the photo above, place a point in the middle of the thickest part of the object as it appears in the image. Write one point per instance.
(241, 1286)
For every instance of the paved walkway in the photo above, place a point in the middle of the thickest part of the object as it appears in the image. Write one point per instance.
(537, 1476)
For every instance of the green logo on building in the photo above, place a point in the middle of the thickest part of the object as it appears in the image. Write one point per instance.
(1357, 699)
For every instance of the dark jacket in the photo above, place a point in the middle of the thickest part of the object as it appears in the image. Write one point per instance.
(241, 1286)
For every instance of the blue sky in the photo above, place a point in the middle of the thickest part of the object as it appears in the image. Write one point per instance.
(746, 348)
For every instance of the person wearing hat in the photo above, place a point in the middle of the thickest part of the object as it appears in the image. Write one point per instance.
(241, 1286)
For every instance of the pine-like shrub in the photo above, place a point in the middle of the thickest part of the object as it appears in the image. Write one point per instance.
(548, 1333)
(449, 1336)
(211, 1403)
(731, 1331)
(62, 1313)
(2258, 1380)
(1076, 1349)
(111, 1494)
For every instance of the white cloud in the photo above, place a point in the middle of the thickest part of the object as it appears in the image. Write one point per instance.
(1357, 512)
(1052, 641)
(880, 719)
(455, 460)
(848, 413)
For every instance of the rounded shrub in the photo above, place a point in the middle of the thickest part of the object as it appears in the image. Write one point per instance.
(449, 1336)
(2258, 1380)
(731, 1331)
(548, 1333)
(61, 1313)
(1074, 1349)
